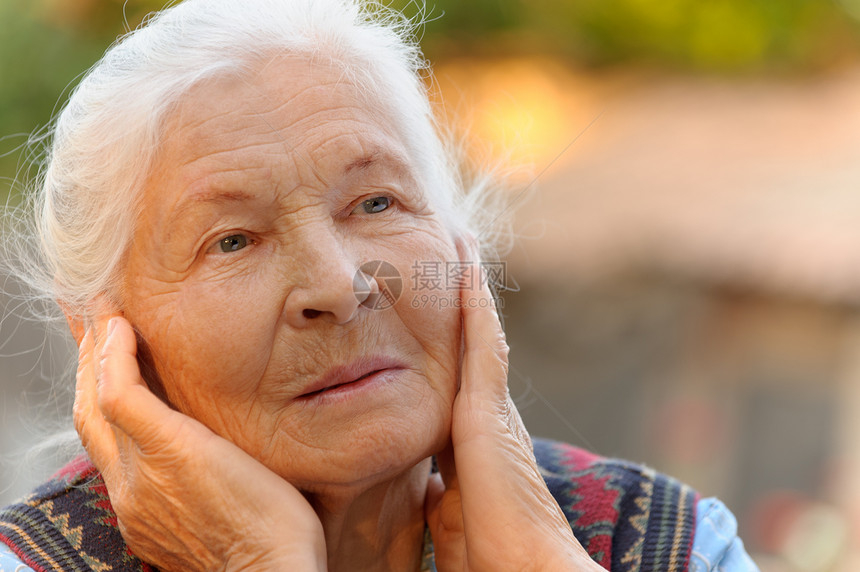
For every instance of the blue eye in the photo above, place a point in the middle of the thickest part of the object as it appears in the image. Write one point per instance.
(233, 243)
(375, 205)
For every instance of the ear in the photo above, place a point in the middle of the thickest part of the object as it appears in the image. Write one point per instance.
(78, 323)
(98, 308)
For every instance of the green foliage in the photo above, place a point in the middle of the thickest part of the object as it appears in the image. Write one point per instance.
(720, 35)
(699, 35)
(46, 44)
(43, 52)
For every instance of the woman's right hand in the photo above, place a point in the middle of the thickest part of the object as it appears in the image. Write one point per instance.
(185, 498)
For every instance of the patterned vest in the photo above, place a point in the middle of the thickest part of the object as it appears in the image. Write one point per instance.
(629, 518)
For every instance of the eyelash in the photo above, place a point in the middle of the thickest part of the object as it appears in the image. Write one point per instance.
(363, 202)
(217, 246)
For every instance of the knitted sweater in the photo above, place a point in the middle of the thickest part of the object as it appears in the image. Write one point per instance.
(628, 517)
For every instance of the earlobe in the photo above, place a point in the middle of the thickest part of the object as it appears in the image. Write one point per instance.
(77, 322)
(81, 319)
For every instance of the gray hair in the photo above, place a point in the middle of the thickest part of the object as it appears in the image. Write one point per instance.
(104, 141)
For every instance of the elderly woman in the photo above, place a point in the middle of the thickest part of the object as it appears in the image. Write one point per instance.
(221, 191)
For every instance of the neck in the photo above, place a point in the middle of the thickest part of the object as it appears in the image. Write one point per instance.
(376, 528)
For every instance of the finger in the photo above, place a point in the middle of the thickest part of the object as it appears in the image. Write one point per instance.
(435, 490)
(518, 427)
(442, 507)
(484, 368)
(95, 432)
(124, 398)
(444, 514)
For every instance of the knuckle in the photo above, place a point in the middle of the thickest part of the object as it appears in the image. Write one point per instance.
(502, 353)
(132, 534)
(109, 399)
(121, 507)
(78, 417)
(501, 345)
(78, 411)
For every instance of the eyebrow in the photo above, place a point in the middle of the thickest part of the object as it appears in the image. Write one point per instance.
(362, 163)
(209, 198)
(375, 157)
(225, 197)
(220, 197)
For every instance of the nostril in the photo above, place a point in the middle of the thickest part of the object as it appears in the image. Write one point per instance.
(310, 314)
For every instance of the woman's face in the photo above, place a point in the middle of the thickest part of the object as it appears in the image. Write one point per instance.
(267, 196)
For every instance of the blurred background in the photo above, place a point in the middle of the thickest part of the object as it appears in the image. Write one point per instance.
(685, 286)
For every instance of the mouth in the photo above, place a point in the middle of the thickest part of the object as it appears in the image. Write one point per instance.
(352, 376)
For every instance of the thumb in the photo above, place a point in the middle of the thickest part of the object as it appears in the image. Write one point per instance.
(444, 513)
(125, 400)
(433, 499)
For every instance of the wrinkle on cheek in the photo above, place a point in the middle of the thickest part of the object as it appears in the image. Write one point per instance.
(422, 243)
(443, 356)
(167, 365)
(283, 377)
(236, 422)
(436, 330)
(203, 373)
(439, 338)
(289, 439)
(276, 386)
(230, 276)
(148, 304)
(151, 256)
(273, 453)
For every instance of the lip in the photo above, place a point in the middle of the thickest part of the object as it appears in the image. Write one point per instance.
(343, 375)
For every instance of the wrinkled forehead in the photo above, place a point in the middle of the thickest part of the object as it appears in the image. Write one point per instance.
(297, 103)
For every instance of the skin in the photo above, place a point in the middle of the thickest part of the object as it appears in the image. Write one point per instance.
(280, 163)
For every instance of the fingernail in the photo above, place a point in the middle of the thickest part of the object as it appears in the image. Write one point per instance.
(86, 340)
(111, 326)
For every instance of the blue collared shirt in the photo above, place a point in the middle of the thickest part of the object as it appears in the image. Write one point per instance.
(716, 546)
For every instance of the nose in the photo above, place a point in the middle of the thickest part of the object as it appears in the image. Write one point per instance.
(324, 289)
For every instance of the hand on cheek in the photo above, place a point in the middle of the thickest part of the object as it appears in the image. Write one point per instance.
(489, 509)
(174, 485)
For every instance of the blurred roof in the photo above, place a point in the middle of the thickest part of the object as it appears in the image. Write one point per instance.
(753, 183)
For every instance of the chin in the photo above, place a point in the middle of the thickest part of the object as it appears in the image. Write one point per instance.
(369, 457)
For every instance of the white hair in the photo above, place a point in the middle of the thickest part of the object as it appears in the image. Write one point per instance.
(68, 241)
(104, 141)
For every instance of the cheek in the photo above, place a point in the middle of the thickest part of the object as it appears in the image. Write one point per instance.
(210, 347)
(431, 288)
(440, 332)
(428, 308)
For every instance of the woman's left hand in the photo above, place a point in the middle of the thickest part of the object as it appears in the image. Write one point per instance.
(489, 508)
